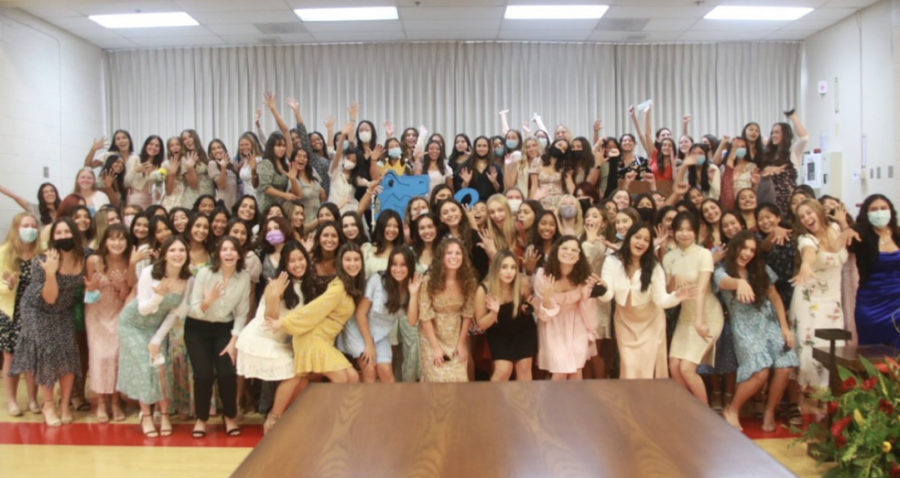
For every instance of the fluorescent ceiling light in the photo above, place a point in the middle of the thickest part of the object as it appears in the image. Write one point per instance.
(555, 12)
(350, 14)
(145, 20)
(734, 12)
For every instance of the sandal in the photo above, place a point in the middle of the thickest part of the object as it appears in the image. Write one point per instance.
(83, 405)
(14, 410)
(50, 417)
(165, 426)
(102, 416)
(118, 413)
(794, 415)
(234, 431)
(149, 431)
(199, 432)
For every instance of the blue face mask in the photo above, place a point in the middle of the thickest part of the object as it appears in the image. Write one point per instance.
(345, 145)
(876, 218)
(542, 142)
(701, 160)
(620, 237)
(511, 144)
(499, 151)
(28, 234)
(740, 153)
(394, 152)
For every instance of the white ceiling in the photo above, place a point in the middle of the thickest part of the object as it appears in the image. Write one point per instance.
(249, 22)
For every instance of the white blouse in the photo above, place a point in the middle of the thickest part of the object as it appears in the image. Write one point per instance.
(619, 286)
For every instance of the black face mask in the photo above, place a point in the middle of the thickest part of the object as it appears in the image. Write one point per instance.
(556, 153)
(648, 214)
(65, 245)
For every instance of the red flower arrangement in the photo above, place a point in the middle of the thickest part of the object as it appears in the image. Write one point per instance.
(865, 425)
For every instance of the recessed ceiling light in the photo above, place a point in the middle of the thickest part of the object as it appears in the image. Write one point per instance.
(555, 12)
(735, 12)
(349, 14)
(145, 20)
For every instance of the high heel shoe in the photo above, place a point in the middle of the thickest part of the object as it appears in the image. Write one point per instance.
(198, 431)
(165, 426)
(234, 431)
(148, 428)
(50, 417)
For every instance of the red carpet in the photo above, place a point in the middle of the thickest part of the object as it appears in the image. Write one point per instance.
(122, 435)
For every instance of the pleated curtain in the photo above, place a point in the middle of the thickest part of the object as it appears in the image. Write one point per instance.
(452, 87)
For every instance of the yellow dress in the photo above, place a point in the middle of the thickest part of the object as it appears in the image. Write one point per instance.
(314, 328)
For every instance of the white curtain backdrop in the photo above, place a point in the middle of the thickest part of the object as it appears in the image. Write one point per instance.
(452, 86)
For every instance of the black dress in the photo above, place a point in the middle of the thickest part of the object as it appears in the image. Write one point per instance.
(513, 338)
(10, 326)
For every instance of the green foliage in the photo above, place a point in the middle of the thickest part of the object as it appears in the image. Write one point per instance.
(863, 424)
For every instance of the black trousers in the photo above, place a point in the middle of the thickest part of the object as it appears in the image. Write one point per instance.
(205, 341)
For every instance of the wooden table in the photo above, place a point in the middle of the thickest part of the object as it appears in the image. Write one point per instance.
(594, 428)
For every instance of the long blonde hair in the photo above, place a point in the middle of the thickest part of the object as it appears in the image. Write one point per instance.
(13, 246)
(505, 235)
(579, 215)
(492, 279)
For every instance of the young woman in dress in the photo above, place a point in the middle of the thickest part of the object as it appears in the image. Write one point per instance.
(46, 346)
(86, 186)
(248, 157)
(139, 178)
(762, 337)
(247, 211)
(700, 320)
(315, 326)
(220, 302)
(444, 310)
(781, 161)
(878, 259)
(816, 303)
(272, 172)
(324, 267)
(501, 309)
(107, 286)
(547, 181)
(746, 203)
(162, 295)
(264, 352)
(223, 173)
(353, 230)
(636, 281)
(218, 220)
(367, 335)
(566, 312)
(16, 253)
(387, 236)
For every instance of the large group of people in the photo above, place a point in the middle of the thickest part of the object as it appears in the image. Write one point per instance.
(195, 282)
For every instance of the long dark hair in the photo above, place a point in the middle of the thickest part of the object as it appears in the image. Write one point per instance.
(192, 219)
(317, 252)
(862, 220)
(465, 230)
(78, 250)
(361, 236)
(119, 181)
(112, 144)
(465, 276)
(159, 265)
(308, 169)
(757, 276)
(441, 160)
(704, 169)
(580, 271)
(417, 242)
(290, 297)
(354, 286)
(779, 154)
(648, 259)
(397, 292)
(158, 159)
(283, 225)
(155, 221)
(43, 207)
(455, 154)
(378, 239)
(237, 205)
(269, 152)
(534, 238)
(757, 145)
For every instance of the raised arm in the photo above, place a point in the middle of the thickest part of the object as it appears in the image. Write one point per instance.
(339, 150)
(259, 130)
(642, 135)
(504, 121)
(270, 103)
(97, 145)
(15, 197)
(802, 138)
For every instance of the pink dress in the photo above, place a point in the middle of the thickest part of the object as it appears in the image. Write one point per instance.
(101, 321)
(567, 328)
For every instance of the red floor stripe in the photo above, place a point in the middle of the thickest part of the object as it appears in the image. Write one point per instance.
(88, 434)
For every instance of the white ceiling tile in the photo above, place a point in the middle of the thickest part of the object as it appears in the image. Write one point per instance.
(229, 5)
(451, 25)
(178, 41)
(100, 8)
(737, 25)
(795, 34)
(634, 37)
(669, 24)
(47, 12)
(438, 35)
(165, 32)
(114, 43)
(666, 11)
(354, 27)
(233, 29)
(354, 36)
(544, 35)
(245, 16)
(450, 13)
(712, 36)
(558, 25)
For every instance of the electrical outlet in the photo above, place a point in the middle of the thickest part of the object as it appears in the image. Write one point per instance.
(46, 172)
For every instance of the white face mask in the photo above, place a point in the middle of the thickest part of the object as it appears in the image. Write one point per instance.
(365, 136)
(348, 165)
(514, 205)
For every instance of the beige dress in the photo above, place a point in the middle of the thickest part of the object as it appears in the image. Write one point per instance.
(446, 316)
(687, 344)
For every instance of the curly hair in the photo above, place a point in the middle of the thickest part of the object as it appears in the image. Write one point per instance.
(580, 271)
(465, 275)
